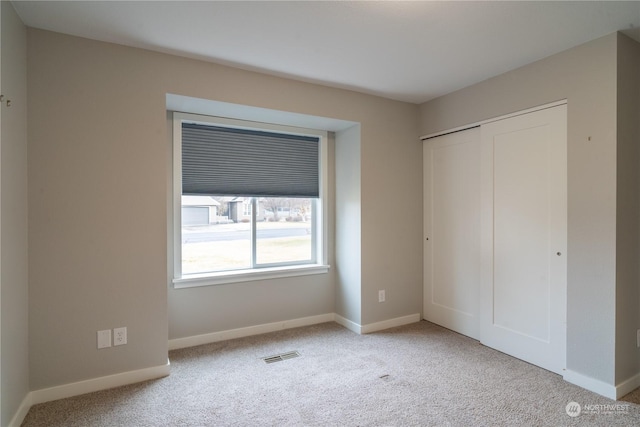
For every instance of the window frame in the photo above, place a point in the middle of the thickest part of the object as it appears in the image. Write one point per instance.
(319, 219)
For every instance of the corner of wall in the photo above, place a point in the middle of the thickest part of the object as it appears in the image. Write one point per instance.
(627, 363)
(348, 241)
(14, 370)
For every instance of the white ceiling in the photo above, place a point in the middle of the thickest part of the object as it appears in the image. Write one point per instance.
(411, 51)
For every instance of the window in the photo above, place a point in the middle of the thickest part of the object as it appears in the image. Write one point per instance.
(247, 208)
(266, 184)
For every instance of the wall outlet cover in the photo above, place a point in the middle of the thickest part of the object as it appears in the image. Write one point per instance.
(104, 338)
(120, 336)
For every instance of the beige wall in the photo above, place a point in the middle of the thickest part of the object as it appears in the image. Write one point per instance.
(391, 192)
(586, 77)
(628, 214)
(98, 178)
(13, 262)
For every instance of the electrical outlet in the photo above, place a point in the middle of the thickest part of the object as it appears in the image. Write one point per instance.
(120, 336)
(104, 339)
(381, 296)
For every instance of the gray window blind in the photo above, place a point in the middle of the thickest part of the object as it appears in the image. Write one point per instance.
(226, 161)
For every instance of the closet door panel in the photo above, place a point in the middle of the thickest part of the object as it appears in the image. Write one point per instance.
(524, 190)
(452, 231)
(521, 240)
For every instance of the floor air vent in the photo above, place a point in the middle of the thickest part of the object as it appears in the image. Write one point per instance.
(281, 357)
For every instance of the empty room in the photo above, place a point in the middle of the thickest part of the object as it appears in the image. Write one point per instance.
(303, 213)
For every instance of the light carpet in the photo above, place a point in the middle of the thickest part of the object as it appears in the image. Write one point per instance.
(414, 375)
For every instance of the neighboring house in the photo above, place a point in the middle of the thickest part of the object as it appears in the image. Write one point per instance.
(199, 210)
(240, 209)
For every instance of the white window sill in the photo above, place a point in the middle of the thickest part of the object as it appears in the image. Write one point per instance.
(210, 279)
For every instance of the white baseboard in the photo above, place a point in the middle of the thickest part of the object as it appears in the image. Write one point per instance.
(177, 343)
(195, 340)
(627, 386)
(100, 383)
(591, 384)
(391, 323)
(378, 326)
(22, 411)
(87, 386)
(602, 388)
(352, 326)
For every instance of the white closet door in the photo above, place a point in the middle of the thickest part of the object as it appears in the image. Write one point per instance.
(524, 229)
(452, 231)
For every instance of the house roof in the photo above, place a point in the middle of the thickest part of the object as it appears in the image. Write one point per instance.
(199, 201)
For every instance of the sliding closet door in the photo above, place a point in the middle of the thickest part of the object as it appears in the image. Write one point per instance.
(452, 231)
(524, 229)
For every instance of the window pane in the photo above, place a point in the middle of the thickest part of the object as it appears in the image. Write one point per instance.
(211, 241)
(284, 230)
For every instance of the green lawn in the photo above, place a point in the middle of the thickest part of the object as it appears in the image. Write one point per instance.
(235, 254)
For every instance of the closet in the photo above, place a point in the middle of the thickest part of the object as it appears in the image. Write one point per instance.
(495, 207)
